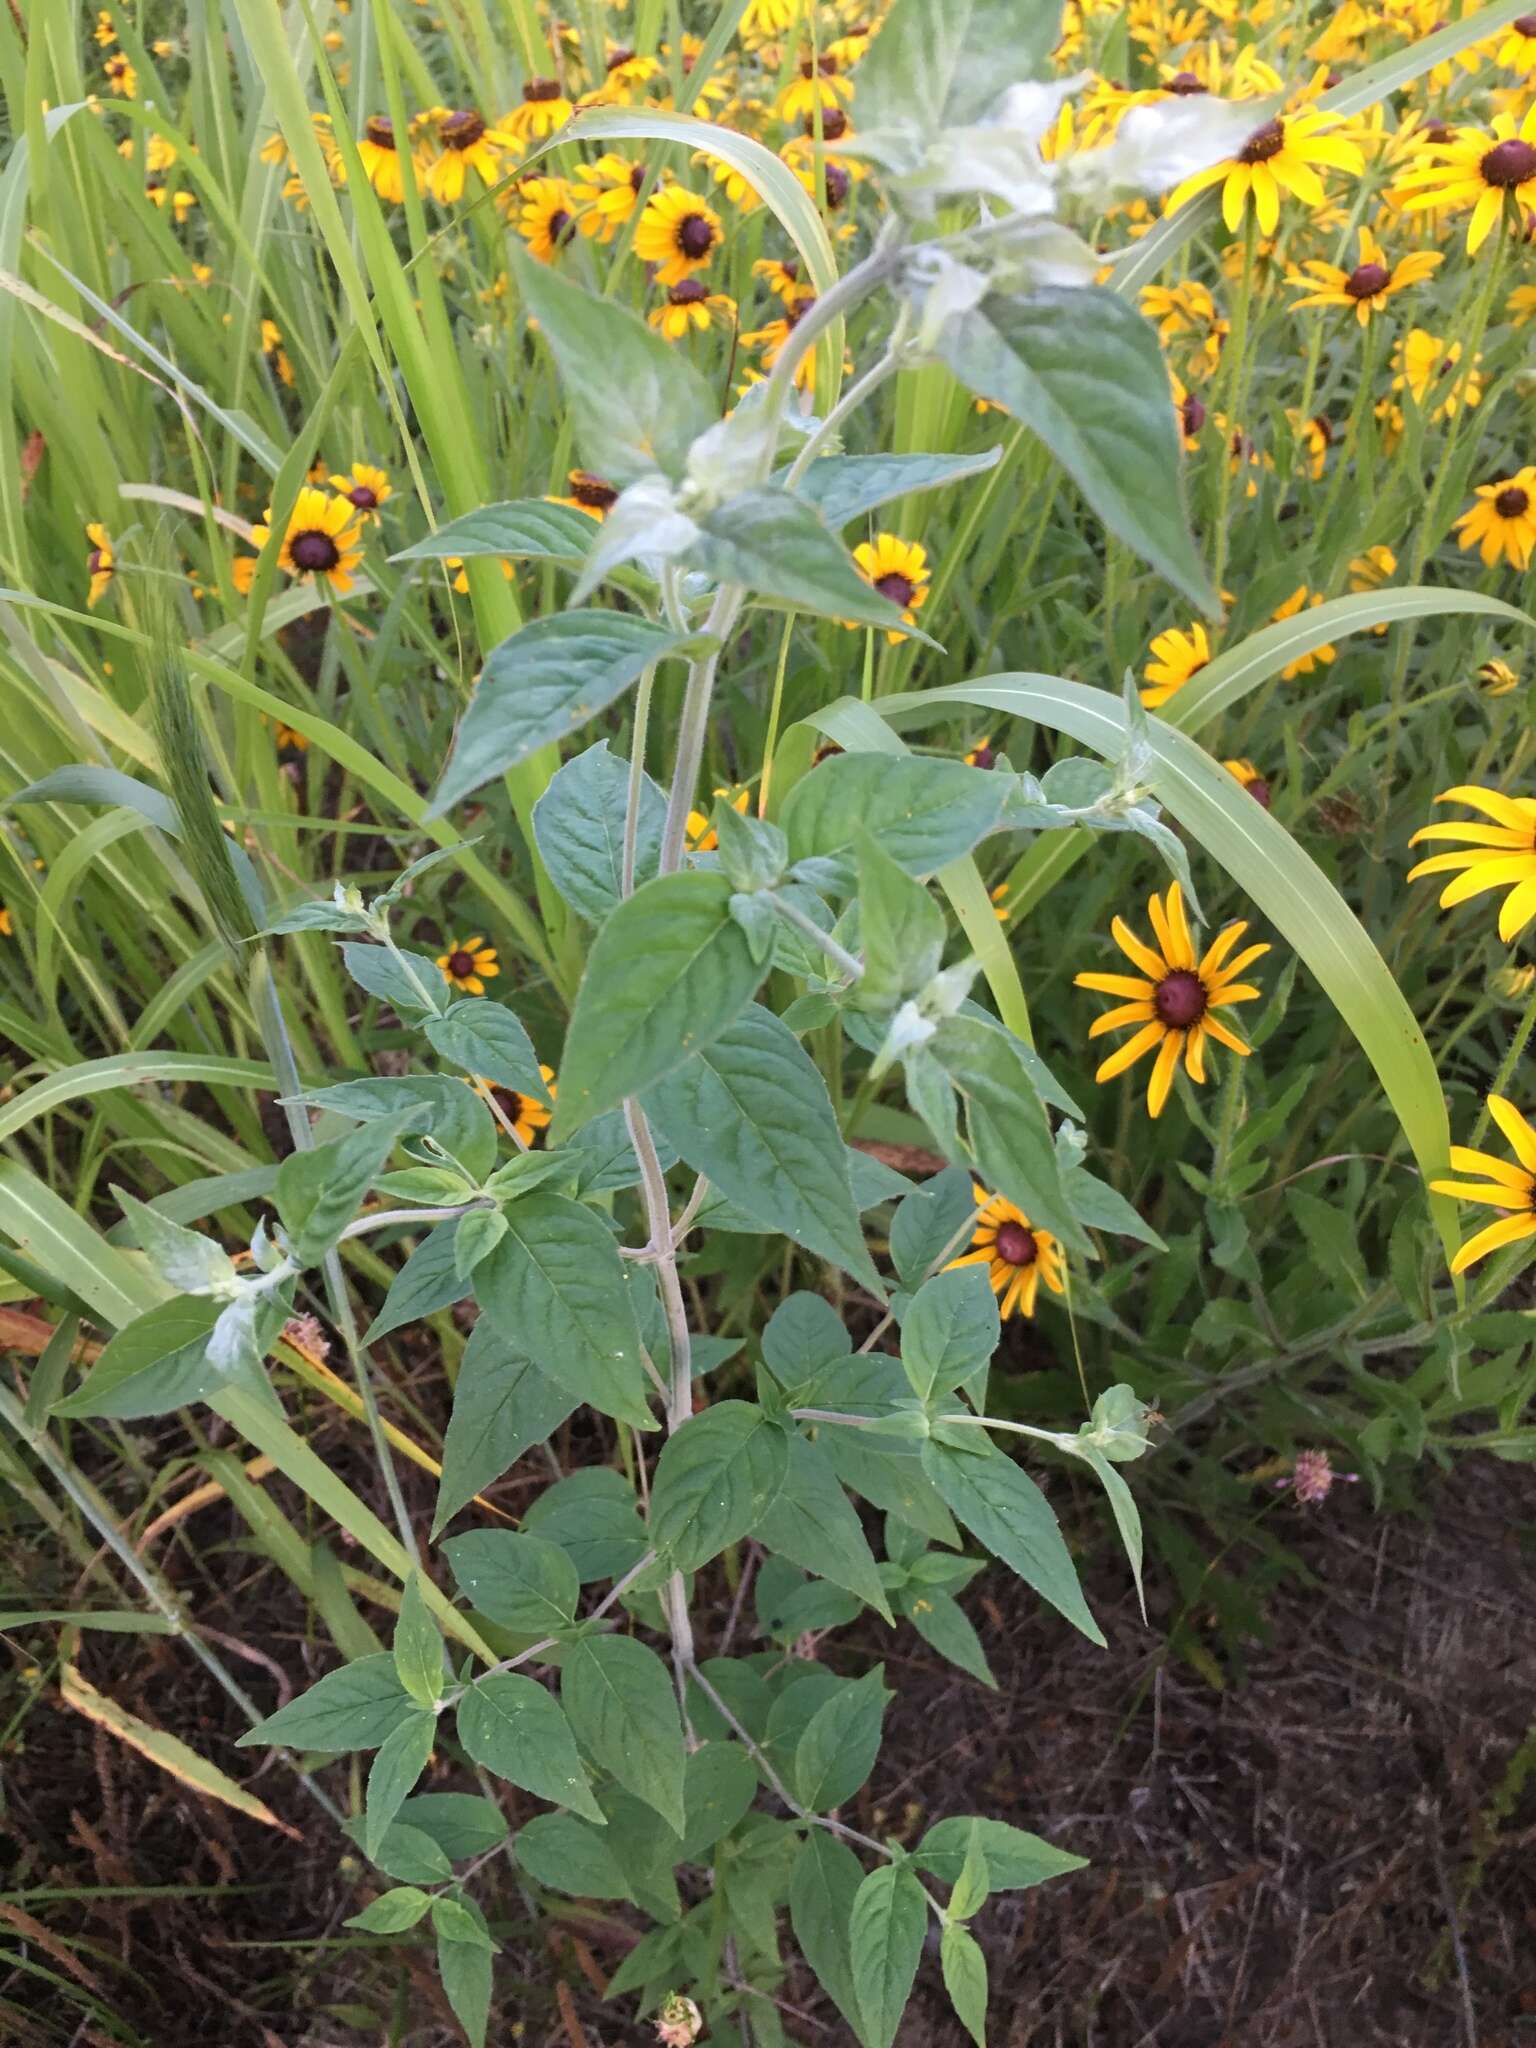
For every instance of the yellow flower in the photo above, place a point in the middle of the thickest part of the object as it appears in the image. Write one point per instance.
(1370, 571)
(1420, 359)
(678, 233)
(1522, 304)
(1314, 437)
(1497, 856)
(7, 929)
(100, 562)
(1305, 663)
(543, 109)
(1188, 309)
(690, 305)
(702, 837)
(1511, 1188)
(1518, 49)
(104, 33)
(323, 538)
(379, 155)
(898, 569)
(607, 193)
(1175, 1007)
(626, 73)
(1017, 1254)
(1477, 169)
(1502, 524)
(1257, 785)
(547, 219)
(782, 279)
(1498, 679)
(1282, 156)
(469, 964)
(982, 755)
(769, 340)
(364, 488)
(1370, 284)
(276, 355)
(525, 1113)
(466, 145)
(820, 84)
(121, 76)
(1176, 657)
(461, 576)
(591, 494)
(735, 184)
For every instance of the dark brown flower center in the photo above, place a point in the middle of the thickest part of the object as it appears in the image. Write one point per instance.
(591, 490)
(896, 587)
(1186, 85)
(363, 497)
(695, 237)
(1524, 24)
(636, 177)
(983, 757)
(688, 293)
(826, 65)
(95, 562)
(1263, 143)
(541, 89)
(462, 130)
(1192, 412)
(620, 56)
(838, 182)
(1367, 281)
(461, 964)
(561, 227)
(1509, 164)
(1512, 502)
(1260, 791)
(1015, 1244)
(834, 124)
(314, 550)
(1179, 999)
(380, 131)
(509, 1102)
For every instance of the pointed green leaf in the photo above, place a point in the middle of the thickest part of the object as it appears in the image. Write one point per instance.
(715, 1479)
(886, 1929)
(418, 1648)
(1005, 1510)
(579, 825)
(400, 1761)
(512, 1726)
(621, 1704)
(357, 1707)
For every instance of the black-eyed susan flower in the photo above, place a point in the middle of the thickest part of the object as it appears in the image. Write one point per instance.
(899, 570)
(1190, 411)
(1371, 283)
(1373, 571)
(1517, 51)
(1284, 155)
(1175, 1007)
(365, 488)
(607, 193)
(104, 32)
(469, 964)
(525, 1113)
(323, 538)
(461, 573)
(1314, 437)
(820, 84)
(1017, 1254)
(1521, 305)
(1502, 524)
(732, 180)
(1424, 364)
(379, 154)
(542, 109)
(1304, 664)
(177, 198)
(678, 232)
(1256, 784)
(1176, 656)
(1507, 1185)
(691, 306)
(982, 754)
(1475, 168)
(100, 563)
(1186, 312)
(121, 76)
(769, 340)
(1501, 855)
(782, 279)
(274, 352)
(547, 216)
(626, 73)
(701, 834)
(465, 143)
(1498, 679)
(591, 494)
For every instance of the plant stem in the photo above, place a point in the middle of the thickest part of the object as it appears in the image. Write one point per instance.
(848, 962)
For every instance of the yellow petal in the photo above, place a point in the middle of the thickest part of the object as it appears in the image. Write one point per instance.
(1127, 1055)
(1521, 1138)
(1162, 1073)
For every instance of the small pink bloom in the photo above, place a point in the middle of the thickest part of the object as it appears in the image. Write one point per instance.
(680, 2022)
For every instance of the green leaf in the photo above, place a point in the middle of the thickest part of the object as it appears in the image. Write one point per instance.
(844, 487)
(185, 1259)
(751, 1113)
(1010, 1133)
(814, 1525)
(502, 1405)
(1084, 371)
(407, 1854)
(1005, 1510)
(885, 1931)
(621, 1704)
(940, 64)
(464, 1968)
(837, 1751)
(715, 1479)
(592, 1515)
(356, 1707)
(923, 813)
(667, 973)
(636, 402)
(942, 1623)
(1095, 1203)
(458, 1920)
(951, 1328)
(719, 1785)
(822, 1888)
(376, 969)
(901, 929)
(451, 1113)
(320, 1191)
(1015, 1860)
(779, 547)
(965, 1979)
(520, 1582)
(393, 1912)
(546, 681)
(579, 825)
(973, 1886)
(512, 1726)
(488, 1039)
(418, 1648)
(476, 1238)
(401, 1759)
(429, 1280)
(463, 1824)
(557, 1280)
(604, 1158)
(521, 529)
(1127, 1515)
(753, 853)
(159, 1362)
(571, 1856)
(804, 1333)
(930, 1221)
